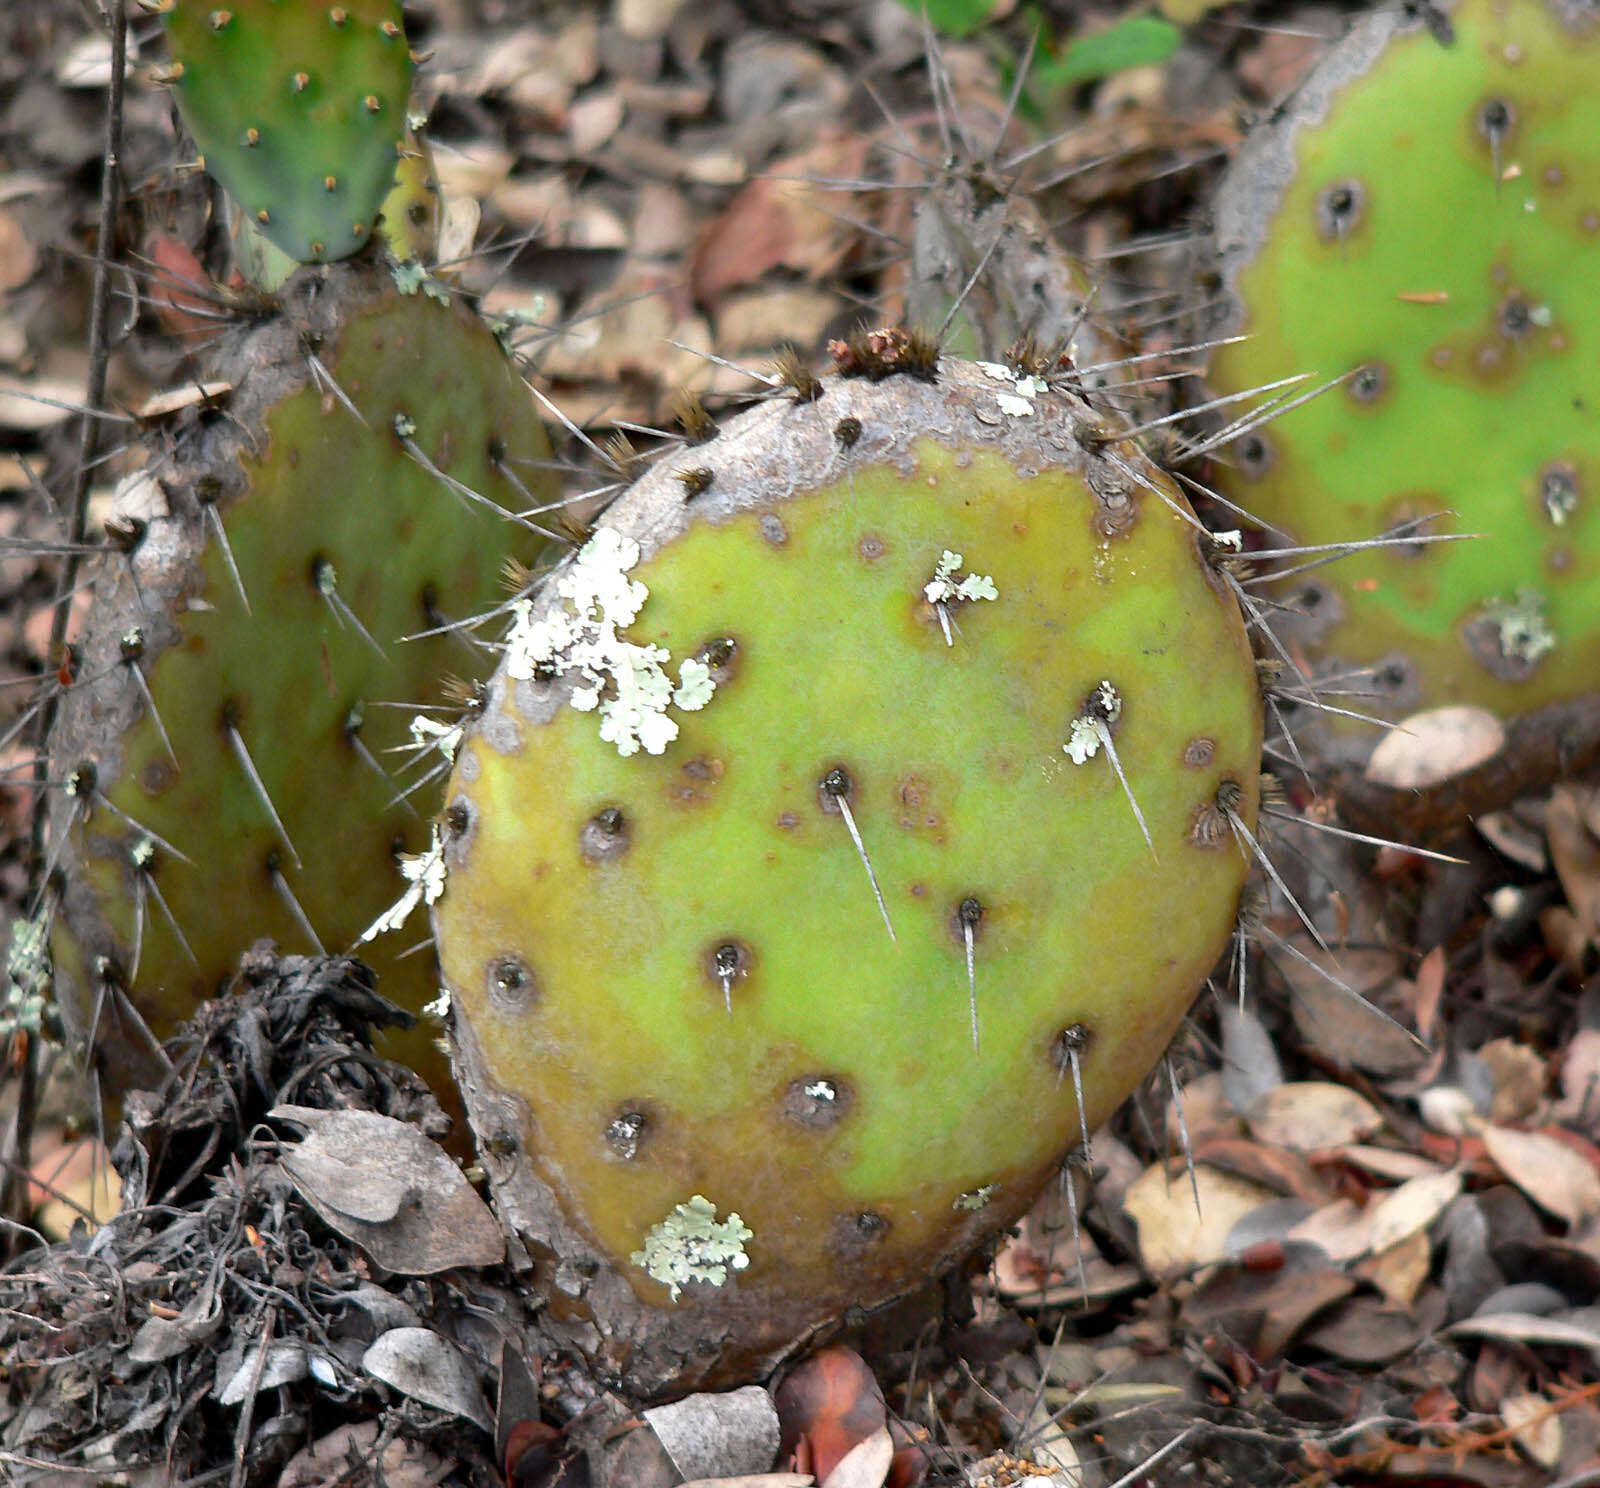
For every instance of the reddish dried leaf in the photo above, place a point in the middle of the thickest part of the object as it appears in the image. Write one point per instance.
(1287, 1172)
(826, 1407)
(1430, 988)
(181, 291)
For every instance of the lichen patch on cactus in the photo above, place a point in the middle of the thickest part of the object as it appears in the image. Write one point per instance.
(424, 875)
(691, 1244)
(627, 683)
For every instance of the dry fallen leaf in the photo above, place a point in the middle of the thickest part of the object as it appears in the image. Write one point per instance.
(1522, 1327)
(1519, 1076)
(865, 1465)
(1535, 1427)
(1555, 1177)
(386, 1187)
(1343, 1230)
(709, 1435)
(1389, 1162)
(1310, 1115)
(419, 1363)
(1411, 1208)
(1575, 852)
(1400, 1271)
(1434, 745)
(1172, 1235)
(401, 1463)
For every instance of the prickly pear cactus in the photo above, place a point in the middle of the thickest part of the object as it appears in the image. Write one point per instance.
(983, 260)
(866, 784)
(227, 759)
(1423, 219)
(298, 107)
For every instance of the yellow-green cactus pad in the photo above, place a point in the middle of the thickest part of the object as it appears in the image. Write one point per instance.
(1424, 216)
(298, 107)
(800, 854)
(278, 653)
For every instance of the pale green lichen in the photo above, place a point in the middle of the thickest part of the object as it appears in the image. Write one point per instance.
(691, 1244)
(1017, 403)
(977, 1199)
(1521, 629)
(26, 1004)
(945, 586)
(408, 276)
(626, 683)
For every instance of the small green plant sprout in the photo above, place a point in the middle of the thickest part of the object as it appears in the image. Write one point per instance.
(692, 1244)
(299, 110)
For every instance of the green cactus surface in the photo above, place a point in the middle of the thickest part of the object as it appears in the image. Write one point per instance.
(344, 537)
(945, 615)
(1424, 219)
(299, 108)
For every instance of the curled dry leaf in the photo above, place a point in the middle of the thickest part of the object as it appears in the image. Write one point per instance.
(1526, 1327)
(865, 1465)
(386, 1187)
(419, 1363)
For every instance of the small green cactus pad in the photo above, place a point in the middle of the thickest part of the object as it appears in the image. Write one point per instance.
(909, 612)
(344, 541)
(298, 107)
(1425, 217)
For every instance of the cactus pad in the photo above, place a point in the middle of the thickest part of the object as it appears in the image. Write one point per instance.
(342, 540)
(1424, 216)
(833, 711)
(299, 108)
